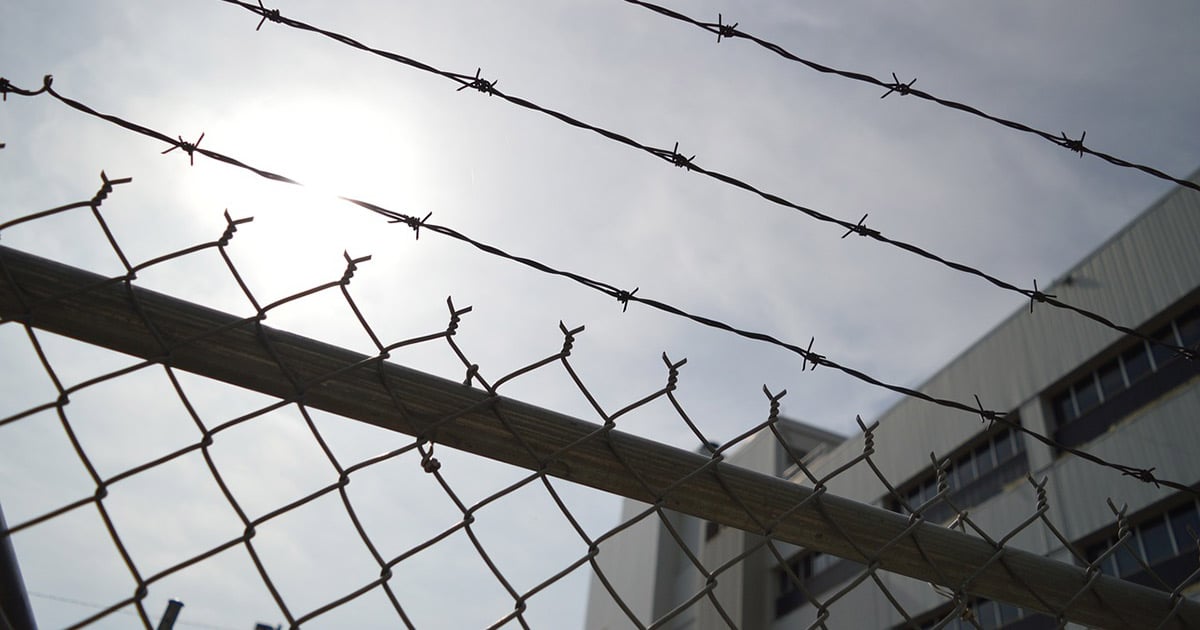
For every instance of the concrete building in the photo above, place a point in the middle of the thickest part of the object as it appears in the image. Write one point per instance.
(1085, 385)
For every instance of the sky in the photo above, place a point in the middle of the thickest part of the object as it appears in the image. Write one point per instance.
(347, 123)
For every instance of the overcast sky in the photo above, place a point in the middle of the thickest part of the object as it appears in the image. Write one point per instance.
(347, 123)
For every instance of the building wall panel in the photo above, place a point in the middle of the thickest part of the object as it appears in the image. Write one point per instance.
(1142, 270)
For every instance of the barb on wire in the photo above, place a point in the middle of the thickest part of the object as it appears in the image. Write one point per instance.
(811, 357)
(414, 223)
(478, 83)
(907, 89)
(1144, 476)
(861, 229)
(1074, 146)
(986, 415)
(624, 297)
(675, 157)
(267, 14)
(726, 31)
(1037, 296)
(188, 147)
(898, 86)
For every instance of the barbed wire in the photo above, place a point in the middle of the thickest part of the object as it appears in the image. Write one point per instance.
(623, 296)
(724, 30)
(304, 388)
(674, 157)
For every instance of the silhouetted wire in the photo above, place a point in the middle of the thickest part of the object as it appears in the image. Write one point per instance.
(674, 157)
(730, 31)
(80, 602)
(624, 297)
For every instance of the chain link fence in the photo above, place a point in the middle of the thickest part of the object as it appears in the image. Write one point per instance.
(179, 462)
(126, 472)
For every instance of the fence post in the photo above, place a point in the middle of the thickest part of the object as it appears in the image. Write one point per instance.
(170, 615)
(14, 601)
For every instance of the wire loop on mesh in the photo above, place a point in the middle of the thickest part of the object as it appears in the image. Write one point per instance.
(106, 188)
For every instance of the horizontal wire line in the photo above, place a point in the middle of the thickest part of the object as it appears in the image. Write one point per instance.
(1141, 474)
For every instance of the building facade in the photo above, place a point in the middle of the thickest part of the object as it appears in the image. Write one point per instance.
(1087, 386)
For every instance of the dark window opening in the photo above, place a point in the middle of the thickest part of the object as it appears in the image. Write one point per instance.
(972, 478)
(1160, 541)
(1087, 407)
(785, 463)
(1137, 363)
(1087, 395)
(1185, 526)
(1111, 380)
(1162, 355)
(814, 573)
(1064, 407)
(1189, 328)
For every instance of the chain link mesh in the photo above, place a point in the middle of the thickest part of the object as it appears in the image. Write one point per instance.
(133, 472)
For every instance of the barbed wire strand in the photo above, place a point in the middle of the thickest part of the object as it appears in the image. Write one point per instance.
(1146, 475)
(673, 156)
(1035, 295)
(730, 31)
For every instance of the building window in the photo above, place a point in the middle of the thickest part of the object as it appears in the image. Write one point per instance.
(1089, 405)
(1188, 327)
(975, 475)
(1164, 541)
(817, 573)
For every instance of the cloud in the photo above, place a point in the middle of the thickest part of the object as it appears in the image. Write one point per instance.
(347, 123)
